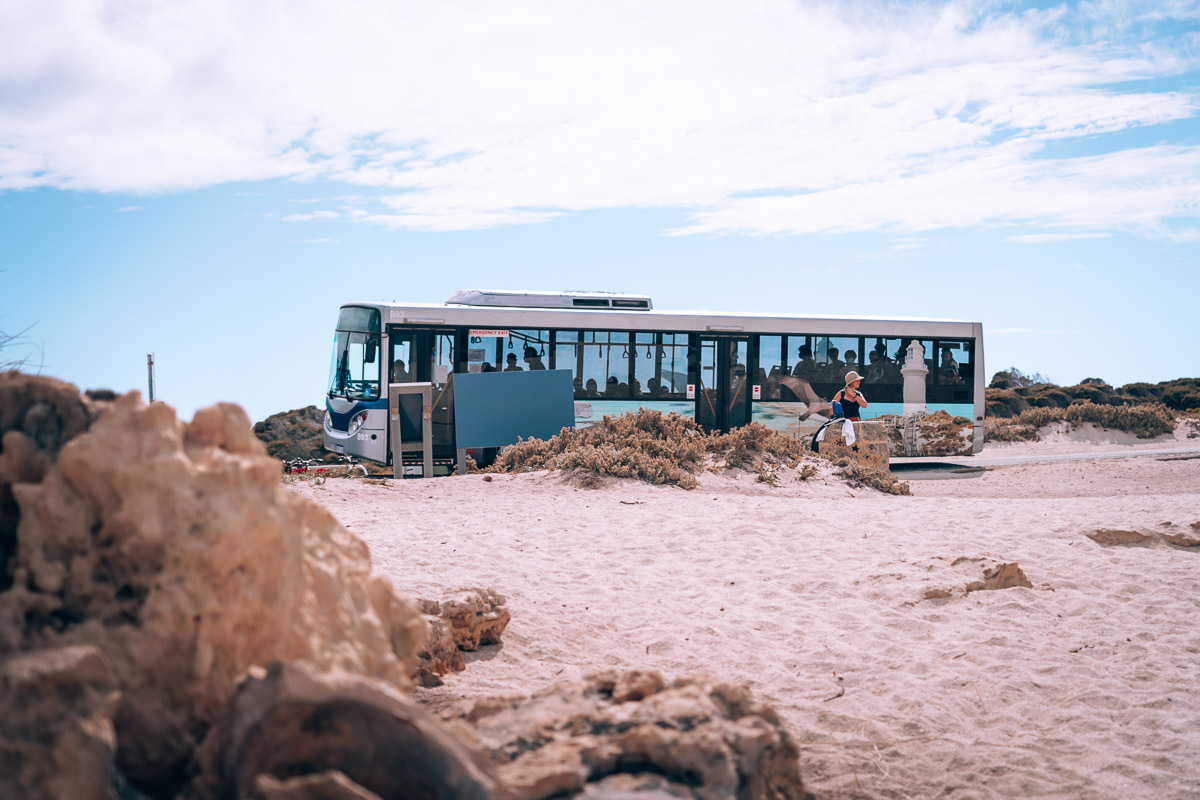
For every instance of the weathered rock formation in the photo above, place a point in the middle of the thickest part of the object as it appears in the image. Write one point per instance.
(1001, 576)
(464, 621)
(1168, 533)
(292, 732)
(56, 731)
(1116, 536)
(475, 616)
(150, 568)
(440, 654)
(174, 550)
(618, 734)
(293, 434)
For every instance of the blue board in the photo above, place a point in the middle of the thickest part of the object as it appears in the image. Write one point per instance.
(493, 409)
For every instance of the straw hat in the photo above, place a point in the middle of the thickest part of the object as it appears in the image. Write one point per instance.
(852, 376)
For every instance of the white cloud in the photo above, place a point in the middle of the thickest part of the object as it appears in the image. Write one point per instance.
(126, 209)
(1042, 238)
(315, 215)
(761, 117)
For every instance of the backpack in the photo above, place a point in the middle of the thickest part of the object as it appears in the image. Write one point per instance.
(837, 405)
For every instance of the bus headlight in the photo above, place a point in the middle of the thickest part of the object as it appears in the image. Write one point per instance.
(357, 421)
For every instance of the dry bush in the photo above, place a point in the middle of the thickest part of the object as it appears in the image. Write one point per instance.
(654, 447)
(1146, 420)
(1008, 430)
(1040, 417)
(649, 445)
(755, 442)
(860, 475)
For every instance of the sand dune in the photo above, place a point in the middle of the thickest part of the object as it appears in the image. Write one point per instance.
(814, 595)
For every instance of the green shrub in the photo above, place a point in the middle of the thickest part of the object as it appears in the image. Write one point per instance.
(1004, 403)
(1092, 393)
(1181, 398)
(1142, 390)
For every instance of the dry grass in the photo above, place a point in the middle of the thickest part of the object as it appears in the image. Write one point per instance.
(663, 449)
(860, 475)
(1145, 420)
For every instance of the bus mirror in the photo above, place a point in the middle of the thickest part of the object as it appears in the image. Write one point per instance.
(372, 350)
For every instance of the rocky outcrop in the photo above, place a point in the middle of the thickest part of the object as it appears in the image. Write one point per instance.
(475, 616)
(440, 654)
(1168, 533)
(631, 732)
(298, 433)
(1001, 576)
(151, 567)
(173, 549)
(290, 731)
(56, 730)
(1116, 536)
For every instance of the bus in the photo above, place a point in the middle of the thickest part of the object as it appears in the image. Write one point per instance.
(722, 369)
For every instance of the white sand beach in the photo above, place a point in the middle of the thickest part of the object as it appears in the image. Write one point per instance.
(814, 595)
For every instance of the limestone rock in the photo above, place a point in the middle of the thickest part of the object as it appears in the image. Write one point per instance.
(475, 616)
(440, 655)
(56, 731)
(1116, 536)
(1001, 576)
(174, 548)
(700, 737)
(288, 722)
(1181, 539)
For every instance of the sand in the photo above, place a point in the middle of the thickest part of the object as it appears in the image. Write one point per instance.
(1086, 685)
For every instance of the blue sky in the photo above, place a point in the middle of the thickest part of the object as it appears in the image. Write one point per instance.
(208, 181)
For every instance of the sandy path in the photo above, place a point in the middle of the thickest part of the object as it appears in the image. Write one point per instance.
(1084, 686)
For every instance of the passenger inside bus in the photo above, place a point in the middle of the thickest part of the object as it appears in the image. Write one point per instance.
(851, 361)
(806, 368)
(532, 359)
(834, 367)
(948, 371)
(590, 389)
(399, 373)
(511, 364)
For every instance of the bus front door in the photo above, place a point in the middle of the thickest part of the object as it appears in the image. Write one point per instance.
(427, 356)
(723, 386)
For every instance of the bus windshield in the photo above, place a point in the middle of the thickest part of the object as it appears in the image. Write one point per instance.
(354, 369)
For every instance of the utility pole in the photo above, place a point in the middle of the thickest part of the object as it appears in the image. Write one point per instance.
(150, 373)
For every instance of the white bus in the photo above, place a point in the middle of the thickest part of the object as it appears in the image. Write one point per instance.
(724, 370)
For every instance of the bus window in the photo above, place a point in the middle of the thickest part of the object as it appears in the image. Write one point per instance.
(522, 350)
(567, 354)
(883, 381)
(606, 364)
(770, 366)
(659, 366)
(354, 370)
(441, 375)
(835, 356)
(955, 375)
(403, 369)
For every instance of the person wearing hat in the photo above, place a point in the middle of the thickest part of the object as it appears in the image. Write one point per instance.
(852, 401)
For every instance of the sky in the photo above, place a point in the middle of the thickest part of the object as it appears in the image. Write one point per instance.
(209, 180)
